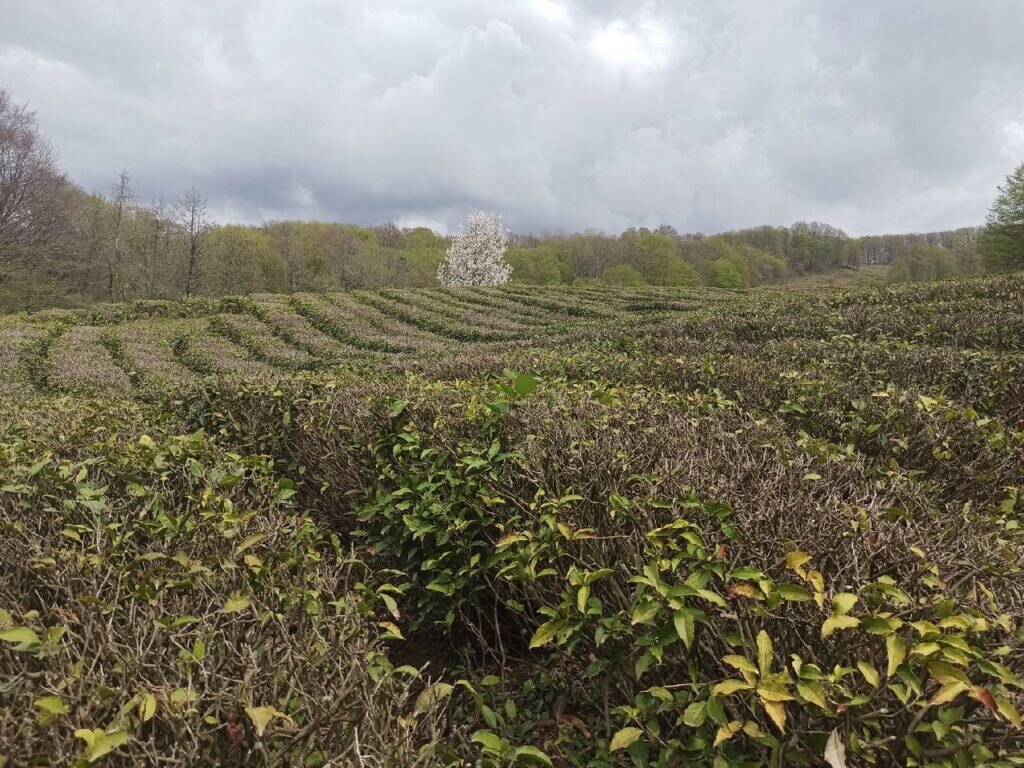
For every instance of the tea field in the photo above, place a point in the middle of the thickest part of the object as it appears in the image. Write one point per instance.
(516, 527)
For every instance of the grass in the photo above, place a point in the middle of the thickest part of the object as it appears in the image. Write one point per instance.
(601, 527)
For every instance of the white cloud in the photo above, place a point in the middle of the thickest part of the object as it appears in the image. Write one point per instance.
(549, 10)
(642, 48)
(564, 114)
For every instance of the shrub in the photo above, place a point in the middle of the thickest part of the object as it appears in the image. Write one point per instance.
(170, 603)
(724, 274)
(622, 274)
(706, 529)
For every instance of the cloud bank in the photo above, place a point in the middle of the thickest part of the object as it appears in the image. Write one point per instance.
(874, 116)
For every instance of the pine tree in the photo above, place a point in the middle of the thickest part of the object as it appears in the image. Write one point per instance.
(1002, 242)
(477, 254)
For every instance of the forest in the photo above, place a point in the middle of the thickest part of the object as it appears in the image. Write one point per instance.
(61, 246)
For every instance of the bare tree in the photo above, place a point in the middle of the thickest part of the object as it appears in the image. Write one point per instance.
(194, 220)
(32, 189)
(123, 203)
(286, 239)
(388, 235)
(153, 249)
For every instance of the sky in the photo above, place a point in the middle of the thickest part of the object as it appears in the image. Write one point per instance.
(875, 116)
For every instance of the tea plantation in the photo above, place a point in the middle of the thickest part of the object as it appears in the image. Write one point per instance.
(516, 527)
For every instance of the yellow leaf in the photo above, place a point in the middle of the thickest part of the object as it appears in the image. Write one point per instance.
(147, 706)
(726, 732)
(777, 712)
(838, 622)
(765, 652)
(544, 634)
(925, 649)
(925, 628)
(261, 717)
(581, 598)
(947, 673)
(23, 637)
(869, 672)
(843, 603)
(430, 696)
(948, 693)
(625, 738)
(392, 629)
(813, 692)
(741, 663)
(727, 687)
(795, 562)
(897, 650)
(753, 730)
(235, 604)
(54, 705)
(249, 541)
(774, 693)
(508, 540)
(99, 743)
(1007, 710)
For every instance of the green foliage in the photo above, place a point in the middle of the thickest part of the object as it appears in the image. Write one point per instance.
(725, 274)
(180, 567)
(535, 266)
(676, 272)
(1002, 242)
(622, 275)
(705, 529)
(922, 262)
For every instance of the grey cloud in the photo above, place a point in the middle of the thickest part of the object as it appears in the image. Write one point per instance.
(873, 116)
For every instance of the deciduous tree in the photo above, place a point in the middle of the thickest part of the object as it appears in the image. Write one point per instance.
(33, 191)
(477, 254)
(124, 204)
(195, 222)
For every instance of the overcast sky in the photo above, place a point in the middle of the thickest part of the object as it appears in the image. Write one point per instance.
(874, 115)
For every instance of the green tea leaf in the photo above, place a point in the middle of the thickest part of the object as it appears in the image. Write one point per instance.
(24, 637)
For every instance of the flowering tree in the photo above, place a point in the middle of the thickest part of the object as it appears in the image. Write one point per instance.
(477, 254)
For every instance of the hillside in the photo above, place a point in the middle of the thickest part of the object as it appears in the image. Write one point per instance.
(517, 526)
(147, 347)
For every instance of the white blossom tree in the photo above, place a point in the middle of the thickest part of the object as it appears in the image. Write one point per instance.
(477, 254)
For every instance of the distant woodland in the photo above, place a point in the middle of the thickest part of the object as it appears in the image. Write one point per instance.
(62, 246)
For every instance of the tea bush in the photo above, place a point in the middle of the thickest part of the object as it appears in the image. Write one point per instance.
(673, 528)
(164, 600)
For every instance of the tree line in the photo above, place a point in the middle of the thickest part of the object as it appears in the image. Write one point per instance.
(62, 246)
